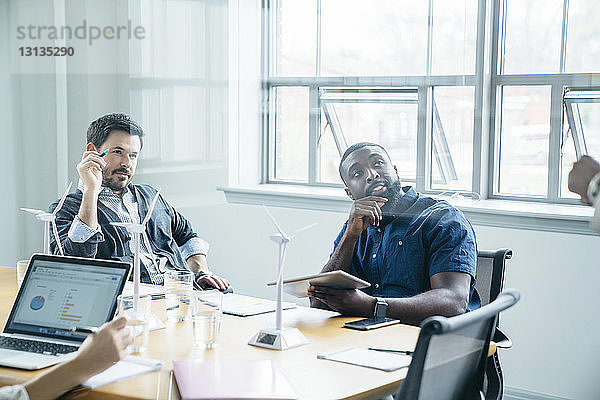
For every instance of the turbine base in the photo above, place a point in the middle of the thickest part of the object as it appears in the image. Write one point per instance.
(276, 339)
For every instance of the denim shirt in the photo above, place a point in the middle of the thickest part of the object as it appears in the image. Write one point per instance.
(167, 231)
(424, 237)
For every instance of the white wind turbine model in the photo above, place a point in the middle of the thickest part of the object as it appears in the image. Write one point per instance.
(49, 219)
(136, 231)
(280, 338)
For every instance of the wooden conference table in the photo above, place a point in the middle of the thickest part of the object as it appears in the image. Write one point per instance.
(311, 378)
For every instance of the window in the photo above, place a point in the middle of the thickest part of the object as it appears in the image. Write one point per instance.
(401, 74)
(177, 83)
(414, 78)
(542, 84)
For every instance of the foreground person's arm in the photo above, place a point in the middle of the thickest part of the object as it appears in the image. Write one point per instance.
(96, 354)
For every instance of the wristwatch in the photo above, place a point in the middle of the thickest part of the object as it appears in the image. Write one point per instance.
(380, 308)
(594, 188)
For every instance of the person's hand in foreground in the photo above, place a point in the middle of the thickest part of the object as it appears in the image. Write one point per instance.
(97, 353)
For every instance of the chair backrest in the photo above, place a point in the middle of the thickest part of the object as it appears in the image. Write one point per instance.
(450, 356)
(490, 273)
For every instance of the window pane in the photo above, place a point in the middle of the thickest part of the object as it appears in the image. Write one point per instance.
(454, 37)
(329, 157)
(176, 121)
(583, 38)
(296, 38)
(387, 37)
(290, 161)
(567, 159)
(452, 147)
(589, 116)
(393, 125)
(533, 30)
(524, 139)
(175, 44)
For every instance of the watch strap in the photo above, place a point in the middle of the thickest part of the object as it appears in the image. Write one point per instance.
(380, 308)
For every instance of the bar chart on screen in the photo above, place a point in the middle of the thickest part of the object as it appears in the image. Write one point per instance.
(70, 311)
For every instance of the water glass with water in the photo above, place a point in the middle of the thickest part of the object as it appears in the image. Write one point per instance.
(137, 319)
(207, 314)
(21, 271)
(178, 294)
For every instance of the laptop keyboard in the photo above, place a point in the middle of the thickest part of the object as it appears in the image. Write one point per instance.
(34, 346)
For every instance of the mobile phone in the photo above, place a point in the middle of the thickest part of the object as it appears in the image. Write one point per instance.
(370, 323)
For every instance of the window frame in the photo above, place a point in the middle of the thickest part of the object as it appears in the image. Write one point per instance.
(487, 83)
(424, 84)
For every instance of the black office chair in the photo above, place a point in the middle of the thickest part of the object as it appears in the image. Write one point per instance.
(451, 353)
(490, 282)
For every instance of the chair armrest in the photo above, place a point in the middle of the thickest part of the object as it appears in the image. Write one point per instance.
(502, 340)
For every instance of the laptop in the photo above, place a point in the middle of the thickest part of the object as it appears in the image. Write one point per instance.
(57, 294)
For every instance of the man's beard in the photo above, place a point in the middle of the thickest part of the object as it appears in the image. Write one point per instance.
(393, 193)
(114, 184)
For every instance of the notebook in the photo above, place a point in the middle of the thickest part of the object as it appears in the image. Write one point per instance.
(231, 379)
(368, 358)
(57, 294)
(127, 368)
(244, 306)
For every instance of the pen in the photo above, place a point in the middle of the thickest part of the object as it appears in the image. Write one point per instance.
(104, 153)
(88, 330)
(408, 353)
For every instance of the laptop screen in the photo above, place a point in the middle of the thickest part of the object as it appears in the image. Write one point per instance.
(59, 293)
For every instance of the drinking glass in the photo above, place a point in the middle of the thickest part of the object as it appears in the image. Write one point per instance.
(137, 319)
(21, 271)
(207, 314)
(178, 294)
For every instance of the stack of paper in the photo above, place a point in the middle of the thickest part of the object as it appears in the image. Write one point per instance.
(244, 306)
(129, 367)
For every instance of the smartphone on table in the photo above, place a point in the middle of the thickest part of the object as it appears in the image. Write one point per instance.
(371, 323)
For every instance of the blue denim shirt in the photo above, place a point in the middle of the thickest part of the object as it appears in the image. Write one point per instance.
(424, 237)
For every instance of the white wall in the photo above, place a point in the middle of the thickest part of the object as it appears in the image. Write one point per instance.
(8, 165)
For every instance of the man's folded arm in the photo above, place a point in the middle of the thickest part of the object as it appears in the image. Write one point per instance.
(449, 296)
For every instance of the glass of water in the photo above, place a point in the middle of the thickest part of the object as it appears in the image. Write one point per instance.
(137, 319)
(179, 286)
(207, 314)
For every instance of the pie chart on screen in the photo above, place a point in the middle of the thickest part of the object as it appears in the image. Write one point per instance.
(37, 302)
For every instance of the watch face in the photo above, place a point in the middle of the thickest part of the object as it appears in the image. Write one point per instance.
(381, 308)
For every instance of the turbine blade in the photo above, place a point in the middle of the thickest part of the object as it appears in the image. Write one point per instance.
(274, 222)
(62, 199)
(307, 227)
(57, 238)
(31, 210)
(149, 213)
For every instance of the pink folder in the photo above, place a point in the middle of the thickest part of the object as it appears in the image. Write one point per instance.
(231, 379)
